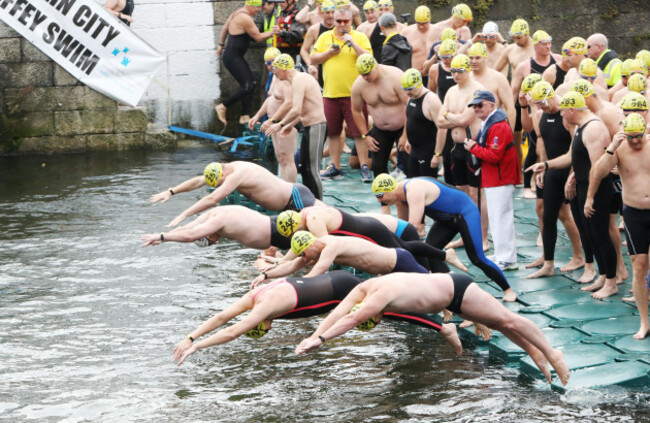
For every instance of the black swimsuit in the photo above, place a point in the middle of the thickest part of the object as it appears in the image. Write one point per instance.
(233, 60)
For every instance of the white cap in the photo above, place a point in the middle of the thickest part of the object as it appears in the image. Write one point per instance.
(490, 27)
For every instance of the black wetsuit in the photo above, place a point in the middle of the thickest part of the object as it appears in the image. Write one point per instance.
(445, 82)
(386, 140)
(377, 39)
(595, 230)
(537, 68)
(128, 10)
(557, 141)
(320, 294)
(233, 60)
(559, 76)
(321, 30)
(421, 134)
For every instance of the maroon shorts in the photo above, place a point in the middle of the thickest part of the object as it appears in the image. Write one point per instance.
(336, 111)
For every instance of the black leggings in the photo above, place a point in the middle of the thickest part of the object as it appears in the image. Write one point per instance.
(386, 140)
(553, 196)
(446, 159)
(596, 228)
(420, 167)
(239, 69)
(311, 151)
(531, 158)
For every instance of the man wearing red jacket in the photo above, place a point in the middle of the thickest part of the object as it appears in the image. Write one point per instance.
(494, 146)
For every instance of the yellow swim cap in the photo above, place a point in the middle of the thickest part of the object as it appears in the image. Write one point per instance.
(626, 67)
(447, 48)
(541, 35)
(411, 79)
(257, 332)
(529, 82)
(477, 49)
(576, 45)
(588, 68)
(634, 124)
(368, 324)
(366, 63)
(369, 5)
(287, 222)
(384, 183)
(327, 6)
(256, 3)
(583, 87)
(461, 62)
(637, 83)
(638, 65)
(542, 91)
(448, 34)
(422, 14)
(462, 11)
(213, 174)
(519, 27)
(300, 241)
(341, 3)
(634, 101)
(283, 61)
(271, 53)
(385, 3)
(645, 56)
(572, 100)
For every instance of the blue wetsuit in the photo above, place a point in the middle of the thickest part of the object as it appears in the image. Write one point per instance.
(453, 212)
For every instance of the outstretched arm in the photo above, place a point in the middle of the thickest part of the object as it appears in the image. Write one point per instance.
(189, 185)
(212, 199)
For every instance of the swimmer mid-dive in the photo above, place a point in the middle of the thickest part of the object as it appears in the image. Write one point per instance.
(431, 293)
(291, 298)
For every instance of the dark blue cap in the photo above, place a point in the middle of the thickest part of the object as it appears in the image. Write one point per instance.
(480, 96)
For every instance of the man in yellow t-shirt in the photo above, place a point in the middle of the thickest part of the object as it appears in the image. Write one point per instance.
(338, 50)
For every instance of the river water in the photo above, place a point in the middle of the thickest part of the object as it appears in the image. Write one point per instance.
(88, 321)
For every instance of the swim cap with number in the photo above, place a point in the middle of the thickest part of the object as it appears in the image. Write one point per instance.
(287, 222)
(519, 27)
(477, 49)
(638, 66)
(634, 101)
(448, 47)
(637, 83)
(369, 5)
(583, 88)
(300, 241)
(461, 62)
(256, 3)
(542, 91)
(368, 324)
(588, 68)
(383, 183)
(257, 332)
(634, 124)
(462, 11)
(626, 67)
(422, 14)
(412, 78)
(366, 63)
(572, 100)
(213, 174)
(540, 36)
(271, 53)
(645, 56)
(529, 82)
(283, 61)
(576, 45)
(327, 6)
(448, 34)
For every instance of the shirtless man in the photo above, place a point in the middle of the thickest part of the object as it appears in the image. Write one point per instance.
(379, 87)
(306, 108)
(371, 14)
(291, 298)
(492, 80)
(573, 52)
(637, 82)
(587, 71)
(252, 181)
(314, 31)
(419, 35)
(494, 43)
(239, 223)
(521, 50)
(431, 294)
(629, 151)
(461, 15)
(310, 17)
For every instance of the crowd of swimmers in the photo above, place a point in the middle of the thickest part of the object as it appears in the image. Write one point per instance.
(449, 111)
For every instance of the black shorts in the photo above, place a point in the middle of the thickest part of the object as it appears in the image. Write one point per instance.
(406, 263)
(277, 239)
(461, 282)
(518, 126)
(637, 229)
(301, 197)
(460, 167)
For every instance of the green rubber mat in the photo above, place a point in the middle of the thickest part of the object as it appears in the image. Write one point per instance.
(628, 344)
(626, 325)
(577, 357)
(626, 373)
(556, 297)
(591, 311)
(522, 285)
(506, 350)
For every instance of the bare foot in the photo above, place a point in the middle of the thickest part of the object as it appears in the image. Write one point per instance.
(529, 194)
(599, 283)
(221, 112)
(455, 244)
(483, 331)
(621, 274)
(509, 295)
(465, 324)
(546, 270)
(537, 263)
(642, 333)
(540, 241)
(542, 363)
(346, 149)
(452, 258)
(573, 264)
(606, 291)
(422, 230)
(447, 315)
(631, 299)
(589, 274)
(244, 119)
(557, 361)
(450, 333)
(486, 245)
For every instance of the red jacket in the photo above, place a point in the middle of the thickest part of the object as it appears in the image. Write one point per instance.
(500, 165)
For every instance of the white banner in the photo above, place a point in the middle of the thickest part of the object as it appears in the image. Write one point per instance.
(87, 41)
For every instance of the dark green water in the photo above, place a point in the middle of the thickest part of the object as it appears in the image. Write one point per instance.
(88, 321)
